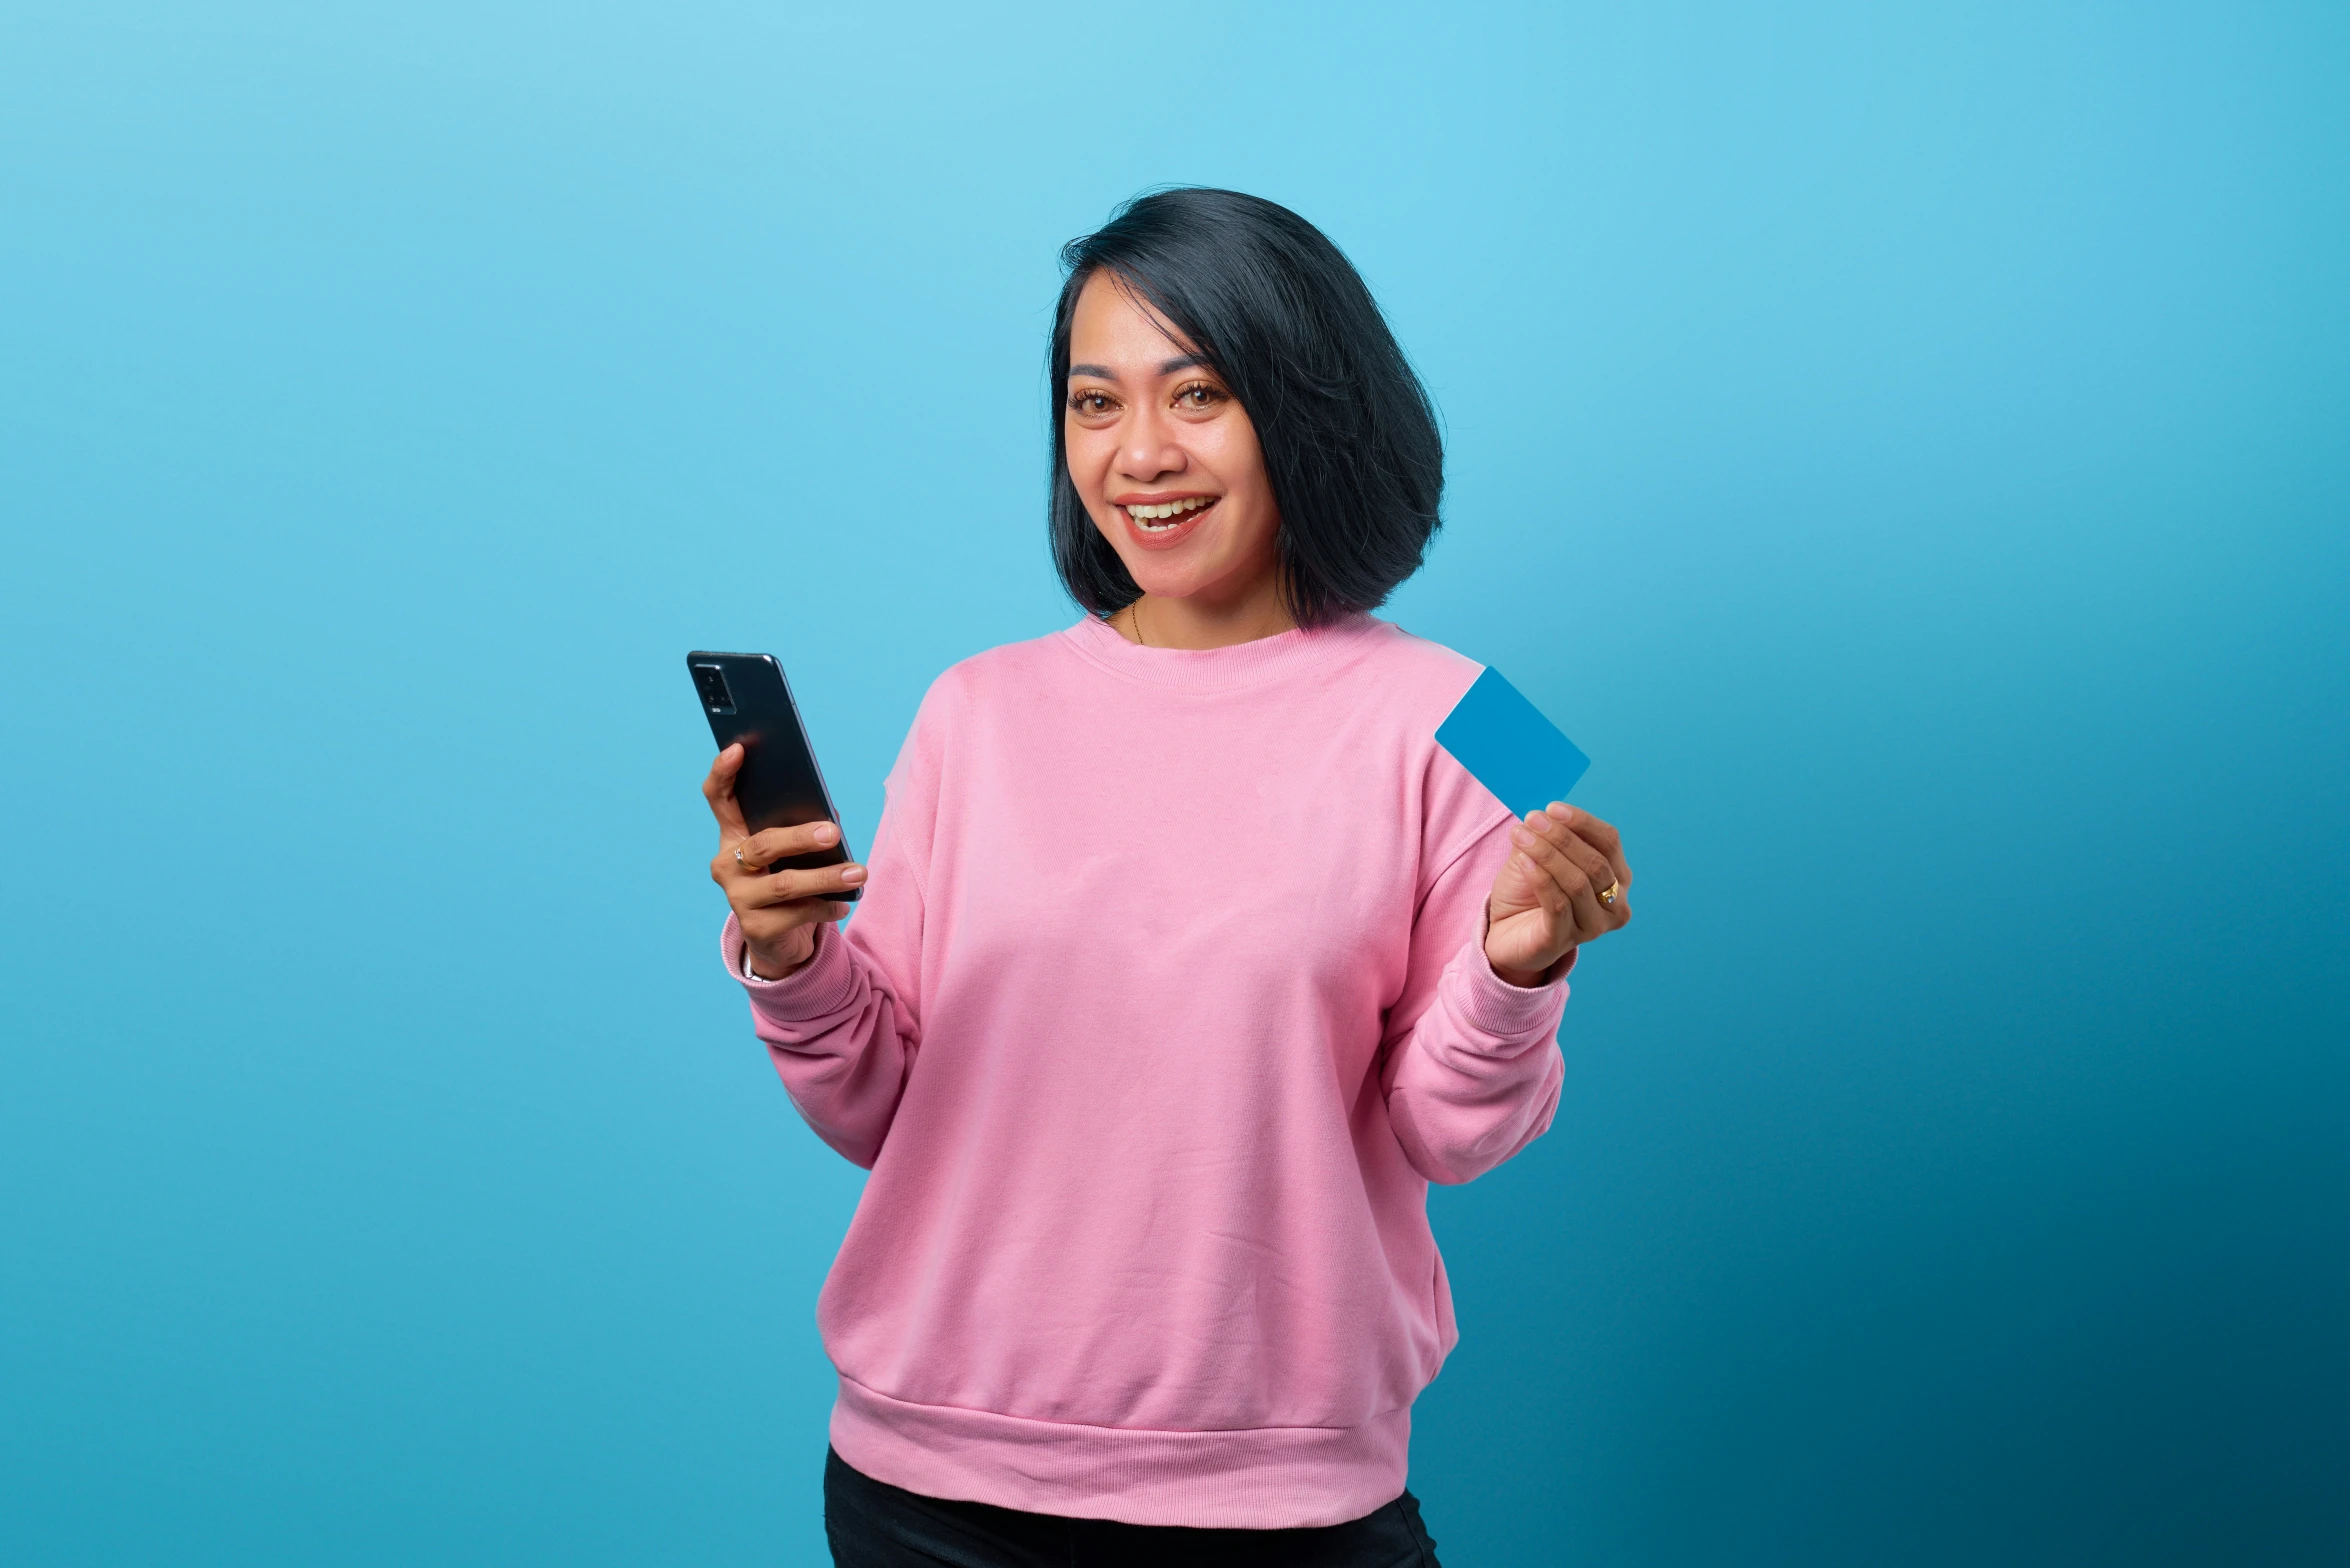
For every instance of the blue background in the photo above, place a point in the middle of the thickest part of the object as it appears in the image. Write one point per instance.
(1906, 450)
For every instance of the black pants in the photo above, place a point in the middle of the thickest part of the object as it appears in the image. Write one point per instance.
(872, 1524)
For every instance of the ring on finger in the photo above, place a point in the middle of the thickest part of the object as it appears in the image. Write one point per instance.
(1607, 894)
(740, 863)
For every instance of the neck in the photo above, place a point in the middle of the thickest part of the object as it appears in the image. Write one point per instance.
(1201, 622)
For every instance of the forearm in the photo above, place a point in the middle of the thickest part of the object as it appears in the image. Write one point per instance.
(1477, 1075)
(840, 1039)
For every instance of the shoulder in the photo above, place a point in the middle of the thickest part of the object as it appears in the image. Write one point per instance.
(999, 674)
(1411, 682)
(999, 682)
(1417, 665)
(1419, 682)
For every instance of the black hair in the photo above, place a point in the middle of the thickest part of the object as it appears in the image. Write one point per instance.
(1282, 317)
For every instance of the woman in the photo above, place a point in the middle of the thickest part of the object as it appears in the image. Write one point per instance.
(1187, 960)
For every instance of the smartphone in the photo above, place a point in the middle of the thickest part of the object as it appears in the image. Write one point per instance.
(746, 699)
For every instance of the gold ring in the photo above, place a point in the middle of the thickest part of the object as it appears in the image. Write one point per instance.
(740, 863)
(1607, 894)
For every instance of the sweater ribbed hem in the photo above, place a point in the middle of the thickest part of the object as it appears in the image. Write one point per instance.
(1259, 1478)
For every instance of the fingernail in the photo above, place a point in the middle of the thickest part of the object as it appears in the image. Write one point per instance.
(826, 833)
(852, 875)
(1565, 812)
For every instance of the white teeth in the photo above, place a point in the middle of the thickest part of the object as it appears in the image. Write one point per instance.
(1148, 514)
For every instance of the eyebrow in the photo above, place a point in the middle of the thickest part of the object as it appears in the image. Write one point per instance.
(1167, 367)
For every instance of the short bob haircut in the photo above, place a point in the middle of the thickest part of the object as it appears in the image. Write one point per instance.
(1349, 436)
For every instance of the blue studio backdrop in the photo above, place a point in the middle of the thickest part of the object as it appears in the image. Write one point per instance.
(1903, 446)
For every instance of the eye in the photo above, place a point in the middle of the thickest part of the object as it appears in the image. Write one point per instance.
(1199, 394)
(1091, 402)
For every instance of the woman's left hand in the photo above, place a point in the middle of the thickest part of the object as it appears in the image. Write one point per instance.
(1564, 884)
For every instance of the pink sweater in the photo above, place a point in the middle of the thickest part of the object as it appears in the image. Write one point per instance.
(1167, 999)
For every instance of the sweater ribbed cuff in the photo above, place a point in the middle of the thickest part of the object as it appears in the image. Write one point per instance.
(823, 985)
(1512, 1013)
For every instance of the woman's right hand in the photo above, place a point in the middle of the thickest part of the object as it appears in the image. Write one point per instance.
(778, 911)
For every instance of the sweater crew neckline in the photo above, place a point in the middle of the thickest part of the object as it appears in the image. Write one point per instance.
(1228, 668)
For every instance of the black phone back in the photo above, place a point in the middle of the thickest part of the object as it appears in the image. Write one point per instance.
(746, 699)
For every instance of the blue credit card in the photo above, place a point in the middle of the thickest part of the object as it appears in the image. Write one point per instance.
(1509, 747)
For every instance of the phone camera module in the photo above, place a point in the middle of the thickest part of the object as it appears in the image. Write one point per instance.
(712, 681)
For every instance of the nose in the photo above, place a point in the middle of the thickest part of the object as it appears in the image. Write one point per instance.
(1150, 451)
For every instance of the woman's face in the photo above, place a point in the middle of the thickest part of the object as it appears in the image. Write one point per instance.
(1163, 454)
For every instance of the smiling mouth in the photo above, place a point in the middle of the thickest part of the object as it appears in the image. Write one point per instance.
(1167, 516)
